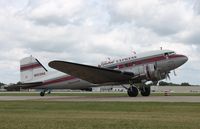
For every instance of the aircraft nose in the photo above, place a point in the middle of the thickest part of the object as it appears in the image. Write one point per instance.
(181, 60)
(184, 59)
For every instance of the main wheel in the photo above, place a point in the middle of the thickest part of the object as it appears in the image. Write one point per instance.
(42, 93)
(132, 91)
(145, 91)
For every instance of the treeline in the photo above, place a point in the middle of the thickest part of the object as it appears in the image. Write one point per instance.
(163, 83)
(1, 84)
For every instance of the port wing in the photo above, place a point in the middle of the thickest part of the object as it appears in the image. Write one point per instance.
(92, 74)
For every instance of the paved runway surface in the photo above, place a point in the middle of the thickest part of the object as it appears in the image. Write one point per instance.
(105, 99)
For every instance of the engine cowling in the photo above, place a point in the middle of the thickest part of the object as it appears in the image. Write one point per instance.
(152, 73)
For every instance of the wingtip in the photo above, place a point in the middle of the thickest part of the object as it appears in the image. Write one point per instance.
(55, 63)
(52, 63)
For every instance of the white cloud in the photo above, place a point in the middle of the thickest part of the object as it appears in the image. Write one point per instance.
(90, 31)
(163, 17)
(60, 12)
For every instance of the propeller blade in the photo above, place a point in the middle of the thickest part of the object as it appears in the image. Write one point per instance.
(167, 76)
(158, 74)
(155, 66)
(175, 73)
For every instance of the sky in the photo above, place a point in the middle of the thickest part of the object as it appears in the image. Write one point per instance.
(90, 31)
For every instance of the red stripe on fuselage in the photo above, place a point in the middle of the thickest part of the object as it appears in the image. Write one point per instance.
(62, 79)
(30, 66)
(145, 61)
(175, 56)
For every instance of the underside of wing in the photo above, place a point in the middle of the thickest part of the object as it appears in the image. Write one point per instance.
(92, 74)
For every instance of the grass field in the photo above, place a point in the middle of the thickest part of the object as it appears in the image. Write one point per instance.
(98, 115)
(90, 94)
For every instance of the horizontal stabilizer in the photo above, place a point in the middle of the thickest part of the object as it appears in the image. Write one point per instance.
(30, 85)
(92, 74)
(25, 85)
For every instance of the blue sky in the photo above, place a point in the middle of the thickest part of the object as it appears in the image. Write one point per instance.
(89, 31)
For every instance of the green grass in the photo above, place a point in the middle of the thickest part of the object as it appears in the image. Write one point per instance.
(98, 115)
(90, 94)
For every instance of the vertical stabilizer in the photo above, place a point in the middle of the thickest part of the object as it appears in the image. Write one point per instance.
(31, 69)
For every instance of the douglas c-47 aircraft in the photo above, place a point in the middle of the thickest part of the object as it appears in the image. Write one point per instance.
(139, 68)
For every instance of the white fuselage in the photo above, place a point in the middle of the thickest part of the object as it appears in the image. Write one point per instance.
(143, 65)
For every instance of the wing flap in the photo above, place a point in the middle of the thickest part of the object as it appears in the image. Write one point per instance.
(91, 74)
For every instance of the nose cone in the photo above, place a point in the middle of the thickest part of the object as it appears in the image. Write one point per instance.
(180, 60)
(184, 59)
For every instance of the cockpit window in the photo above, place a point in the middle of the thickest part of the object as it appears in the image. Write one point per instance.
(166, 54)
(169, 53)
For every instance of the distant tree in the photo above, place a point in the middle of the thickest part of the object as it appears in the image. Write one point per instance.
(162, 83)
(18, 83)
(185, 84)
(173, 84)
(1, 84)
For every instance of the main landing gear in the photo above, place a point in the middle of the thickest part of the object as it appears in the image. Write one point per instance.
(133, 91)
(42, 93)
(145, 90)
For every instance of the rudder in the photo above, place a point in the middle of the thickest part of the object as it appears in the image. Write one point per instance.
(31, 69)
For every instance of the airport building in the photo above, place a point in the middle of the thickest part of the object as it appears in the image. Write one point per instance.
(176, 89)
(154, 89)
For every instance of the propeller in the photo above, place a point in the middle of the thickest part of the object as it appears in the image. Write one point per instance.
(175, 73)
(167, 76)
(157, 86)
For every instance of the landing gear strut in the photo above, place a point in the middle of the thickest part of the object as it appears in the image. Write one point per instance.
(132, 91)
(42, 93)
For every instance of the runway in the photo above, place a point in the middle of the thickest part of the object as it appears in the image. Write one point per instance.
(104, 99)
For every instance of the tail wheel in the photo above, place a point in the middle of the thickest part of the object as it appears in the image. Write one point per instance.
(132, 91)
(145, 91)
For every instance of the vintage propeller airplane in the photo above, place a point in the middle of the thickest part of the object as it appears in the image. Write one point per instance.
(139, 68)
